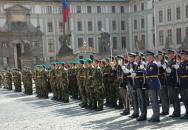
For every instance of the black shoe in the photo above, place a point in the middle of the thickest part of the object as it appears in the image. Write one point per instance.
(174, 115)
(184, 117)
(164, 113)
(134, 116)
(82, 105)
(124, 113)
(99, 109)
(88, 107)
(141, 118)
(154, 120)
(119, 107)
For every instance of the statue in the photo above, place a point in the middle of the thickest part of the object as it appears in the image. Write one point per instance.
(104, 46)
(65, 49)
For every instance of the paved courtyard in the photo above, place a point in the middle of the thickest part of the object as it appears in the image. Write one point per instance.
(21, 112)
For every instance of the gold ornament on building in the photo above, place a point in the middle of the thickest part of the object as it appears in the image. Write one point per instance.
(85, 49)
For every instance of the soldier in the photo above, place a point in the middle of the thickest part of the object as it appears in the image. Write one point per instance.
(81, 77)
(43, 82)
(9, 79)
(124, 89)
(161, 62)
(17, 80)
(114, 86)
(141, 91)
(131, 84)
(52, 78)
(27, 81)
(183, 79)
(153, 82)
(108, 80)
(98, 87)
(74, 81)
(89, 85)
(119, 79)
(65, 82)
(171, 82)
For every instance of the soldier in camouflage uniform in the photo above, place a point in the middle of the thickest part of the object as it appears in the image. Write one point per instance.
(17, 80)
(43, 81)
(73, 86)
(89, 85)
(9, 80)
(81, 78)
(98, 87)
(108, 80)
(58, 86)
(52, 80)
(27, 81)
(64, 84)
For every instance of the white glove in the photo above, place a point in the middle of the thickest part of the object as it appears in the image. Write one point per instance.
(141, 66)
(123, 67)
(131, 70)
(159, 64)
(126, 71)
(176, 66)
(133, 75)
(164, 66)
(168, 70)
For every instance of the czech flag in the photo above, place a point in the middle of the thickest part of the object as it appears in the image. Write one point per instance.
(65, 10)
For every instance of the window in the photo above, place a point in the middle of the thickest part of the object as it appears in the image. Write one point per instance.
(49, 9)
(90, 26)
(60, 10)
(160, 16)
(123, 42)
(78, 9)
(88, 9)
(99, 9)
(186, 11)
(142, 6)
(186, 31)
(178, 13)
(169, 14)
(122, 25)
(135, 40)
(169, 35)
(135, 8)
(178, 35)
(50, 27)
(60, 27)
(114, 25)
(142, 23)
(51, 47)
(99, 24)
(80, 42)
(135, 24)
(113, 9)
(122, 9)
(79, 25)
(114, 42)
(90, 42)
(143, 42)
(161, 37)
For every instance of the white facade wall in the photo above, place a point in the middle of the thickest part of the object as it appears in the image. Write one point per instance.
(173, 24)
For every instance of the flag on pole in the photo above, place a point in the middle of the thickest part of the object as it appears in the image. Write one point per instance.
(65, 10)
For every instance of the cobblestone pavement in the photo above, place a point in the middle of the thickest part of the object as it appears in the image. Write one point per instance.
(21, 112)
